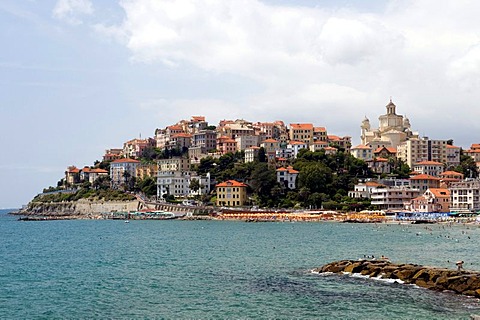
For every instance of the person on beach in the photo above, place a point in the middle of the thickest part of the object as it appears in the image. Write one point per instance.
(459, 265)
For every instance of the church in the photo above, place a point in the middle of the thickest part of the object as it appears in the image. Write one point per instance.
(393, 130)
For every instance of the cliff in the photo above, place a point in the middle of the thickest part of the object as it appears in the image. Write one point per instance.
(439, 279)
(82, 208)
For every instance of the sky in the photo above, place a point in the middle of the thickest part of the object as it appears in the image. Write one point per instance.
(80, 76)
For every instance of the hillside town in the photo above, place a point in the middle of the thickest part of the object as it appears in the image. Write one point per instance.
(394, 169)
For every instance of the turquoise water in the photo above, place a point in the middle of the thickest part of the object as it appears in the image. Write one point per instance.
(220, 269)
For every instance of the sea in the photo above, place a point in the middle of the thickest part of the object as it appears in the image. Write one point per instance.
(106, 269)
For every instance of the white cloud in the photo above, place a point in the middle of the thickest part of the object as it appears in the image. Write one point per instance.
(321, 61)
(71, 10)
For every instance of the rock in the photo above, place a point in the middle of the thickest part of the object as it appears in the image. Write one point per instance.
(440, 279)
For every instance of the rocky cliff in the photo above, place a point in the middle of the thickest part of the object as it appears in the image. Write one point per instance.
(462, 282)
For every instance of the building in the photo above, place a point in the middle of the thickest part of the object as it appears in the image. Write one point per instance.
(465, 196)
(432, 168)
(231, 193)
(88, 174)
(393, 198)
(364, 190)
(270, 146)
(453, 156)
(296, 146)
(247, 141)
(433, 200)
(206, 139)
(422, 149)
(302, 132)
(112, 154)
(174, 178)
(362, 152)
(251, 154)
(423, 182)
(72, 175)
(393, 129)
(448, 177)
(121, 170)
(340, 142)
(134, 148)
(226, 145)
(147, 170)
(319, 134)
(287, 177)
(318, 145)
(379, 165)
(385, 152)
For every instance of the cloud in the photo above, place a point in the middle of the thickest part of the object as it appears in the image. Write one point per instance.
(71, 10)
(318, 63)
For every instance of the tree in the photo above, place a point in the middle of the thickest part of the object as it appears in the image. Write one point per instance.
(194, 185)
(262, 180)
(102, 183)
(316, 177)
(262, 157)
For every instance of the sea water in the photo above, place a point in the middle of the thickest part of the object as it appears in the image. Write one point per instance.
(101, 269)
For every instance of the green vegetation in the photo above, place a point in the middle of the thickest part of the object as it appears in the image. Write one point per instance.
(324, 180)
(85, 193)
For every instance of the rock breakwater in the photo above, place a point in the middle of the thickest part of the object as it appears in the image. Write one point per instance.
(439, 279)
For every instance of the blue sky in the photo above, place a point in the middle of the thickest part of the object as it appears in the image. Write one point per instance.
(79, 76)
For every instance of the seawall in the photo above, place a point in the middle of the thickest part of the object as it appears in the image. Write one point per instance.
(77, 209)
(439, 279)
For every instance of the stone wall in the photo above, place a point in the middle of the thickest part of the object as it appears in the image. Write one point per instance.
(79, 208)
(440, 279)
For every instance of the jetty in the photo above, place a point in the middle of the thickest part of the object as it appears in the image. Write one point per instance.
(439, 279)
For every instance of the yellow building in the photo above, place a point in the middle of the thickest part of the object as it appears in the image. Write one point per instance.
(231, 193)
(301, 132)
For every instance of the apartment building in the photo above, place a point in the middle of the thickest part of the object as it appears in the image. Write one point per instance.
(465, 196)
(422, 149)
(231, 193)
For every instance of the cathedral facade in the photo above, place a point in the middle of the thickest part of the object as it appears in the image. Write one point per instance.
(393, 130)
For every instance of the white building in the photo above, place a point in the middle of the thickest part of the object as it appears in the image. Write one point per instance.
(465, 196)
(362, 152)
(121, 170)
(364, 190)
(287, 176)
(422, 149)
(432, 168)
(393, 198)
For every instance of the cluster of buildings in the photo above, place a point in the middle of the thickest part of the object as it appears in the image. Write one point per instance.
(431, 187)
(196, 139)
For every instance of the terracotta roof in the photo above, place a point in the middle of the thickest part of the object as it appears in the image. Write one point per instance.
(330, 148)
(182, 135)
(253, 148)
(73, 170)
(389, 149)
(231, 183)
(361, 146)
(430, 163)
(304, 126)
(424, 177)
(333, 137)
(271, 140)
(440, 192)
(289, 169)
(373, 184)
(380, 160)
(175, 127)
(281, 159)
(293, 142)
(452, 147)
(319, 129)
(125, 160)
(451, 173)
(198, 118)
